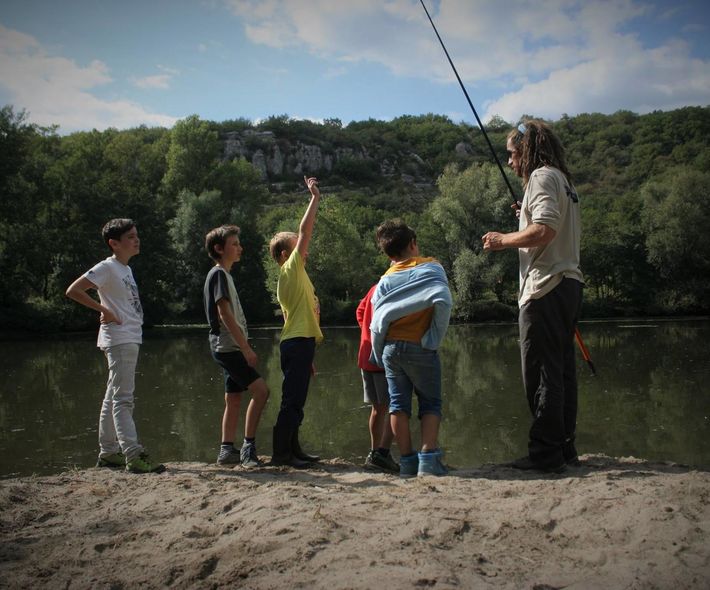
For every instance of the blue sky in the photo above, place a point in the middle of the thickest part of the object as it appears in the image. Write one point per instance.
(86, 64)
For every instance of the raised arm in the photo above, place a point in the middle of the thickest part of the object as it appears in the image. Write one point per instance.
(305, 230)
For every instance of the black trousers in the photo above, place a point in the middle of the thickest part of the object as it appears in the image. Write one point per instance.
(547, 327)
(296, 362)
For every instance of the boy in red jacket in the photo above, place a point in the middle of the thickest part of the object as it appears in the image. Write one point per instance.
(374, 385)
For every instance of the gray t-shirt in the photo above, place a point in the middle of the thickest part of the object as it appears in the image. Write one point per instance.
(220, 285)
(118, 292)
(552, 201)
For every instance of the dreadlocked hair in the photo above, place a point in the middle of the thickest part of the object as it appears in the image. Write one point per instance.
(538, 146)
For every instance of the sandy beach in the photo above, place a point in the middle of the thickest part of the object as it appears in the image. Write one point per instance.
(611, 523)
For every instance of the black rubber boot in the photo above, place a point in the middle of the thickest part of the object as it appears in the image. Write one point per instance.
(298, 452)
(282, 454)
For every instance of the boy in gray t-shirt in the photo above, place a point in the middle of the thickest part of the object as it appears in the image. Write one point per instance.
(230, 348)
(120, 337)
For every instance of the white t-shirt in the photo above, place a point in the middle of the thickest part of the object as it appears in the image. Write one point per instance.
(118, 292)
(549, 200)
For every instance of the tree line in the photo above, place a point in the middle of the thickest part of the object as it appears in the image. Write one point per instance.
(642, 180)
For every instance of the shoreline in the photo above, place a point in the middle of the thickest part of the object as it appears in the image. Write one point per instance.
(161, 330)
(613, 522)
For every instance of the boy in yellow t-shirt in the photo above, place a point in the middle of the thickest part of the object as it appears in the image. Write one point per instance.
(300, 334)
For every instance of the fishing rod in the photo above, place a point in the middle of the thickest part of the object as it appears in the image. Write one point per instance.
(577, 333)
(475, 114)
(585, 352)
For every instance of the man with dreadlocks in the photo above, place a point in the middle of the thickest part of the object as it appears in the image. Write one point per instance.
(550, 293)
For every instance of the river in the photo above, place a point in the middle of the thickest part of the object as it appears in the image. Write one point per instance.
(650, 398)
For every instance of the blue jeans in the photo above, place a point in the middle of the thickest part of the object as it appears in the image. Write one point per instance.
(411, 368)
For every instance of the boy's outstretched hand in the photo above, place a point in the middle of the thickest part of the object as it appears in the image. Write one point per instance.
(312, 184)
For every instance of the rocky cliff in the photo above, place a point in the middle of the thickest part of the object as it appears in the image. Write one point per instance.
(278, 158)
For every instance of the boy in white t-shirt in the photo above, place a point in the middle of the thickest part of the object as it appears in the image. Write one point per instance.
(120, 337)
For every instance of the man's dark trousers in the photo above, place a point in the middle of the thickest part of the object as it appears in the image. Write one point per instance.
(547, 327)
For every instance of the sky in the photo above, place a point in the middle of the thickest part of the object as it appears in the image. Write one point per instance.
(95, 64)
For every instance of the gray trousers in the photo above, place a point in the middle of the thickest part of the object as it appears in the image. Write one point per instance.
(547, 353)
(117, 431)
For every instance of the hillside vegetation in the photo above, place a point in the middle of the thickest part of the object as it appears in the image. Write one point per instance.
(642, 180)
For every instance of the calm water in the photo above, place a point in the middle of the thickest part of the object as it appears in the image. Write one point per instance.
(651, 397)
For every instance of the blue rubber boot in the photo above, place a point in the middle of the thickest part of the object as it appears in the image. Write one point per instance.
(409, 465)
(431, 464)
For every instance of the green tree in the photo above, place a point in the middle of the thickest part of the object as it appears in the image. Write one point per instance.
(236, 198)
(134, 165)
(676, 216)
(191, 157)
(472, 202)
(23, 244)
(640, 180)
(618, 276)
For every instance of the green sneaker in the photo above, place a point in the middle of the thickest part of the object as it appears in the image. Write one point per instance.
(142, 464)
(113, 461)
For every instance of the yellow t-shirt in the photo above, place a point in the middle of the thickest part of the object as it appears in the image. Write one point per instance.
(298, 301)
(411, 327)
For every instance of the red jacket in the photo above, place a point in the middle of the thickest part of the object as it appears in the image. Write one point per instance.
(364, 317)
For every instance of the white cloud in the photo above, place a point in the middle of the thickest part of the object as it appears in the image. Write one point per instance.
(663, 78)
(366, 30)
(56, 90)
(548, 57)
(161, 81)
(156, 81)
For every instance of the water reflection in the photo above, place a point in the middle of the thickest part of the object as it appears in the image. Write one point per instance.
(650, 398)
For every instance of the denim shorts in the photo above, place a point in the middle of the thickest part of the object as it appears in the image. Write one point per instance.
(412, 369)
(238, 375)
